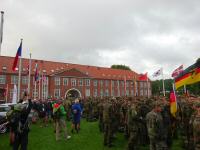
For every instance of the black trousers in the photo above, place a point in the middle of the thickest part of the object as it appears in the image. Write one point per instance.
(21, 139)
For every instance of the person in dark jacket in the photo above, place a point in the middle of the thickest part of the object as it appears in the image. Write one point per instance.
(20, 125)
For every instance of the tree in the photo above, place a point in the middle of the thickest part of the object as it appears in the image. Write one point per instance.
(123, 67)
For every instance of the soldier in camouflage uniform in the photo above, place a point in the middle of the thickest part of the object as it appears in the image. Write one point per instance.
(133, 122)
(67, 105)
(107, 121)
(100, 112)
(155, 128)
(186, 113)
(196, 128)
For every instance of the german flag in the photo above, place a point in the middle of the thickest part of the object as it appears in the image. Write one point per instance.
(190, 75)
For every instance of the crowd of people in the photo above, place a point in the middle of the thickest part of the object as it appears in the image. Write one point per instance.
(143, 121)
(147, 121)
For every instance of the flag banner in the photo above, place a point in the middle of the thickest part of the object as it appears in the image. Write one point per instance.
(18, 54)
(36, 73)
(177, 71)
(14, 98)
(173, 103)
(157, 73)
(189, 76)
(143, 77)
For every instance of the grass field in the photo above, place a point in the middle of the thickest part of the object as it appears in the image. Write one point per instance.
(89, 138)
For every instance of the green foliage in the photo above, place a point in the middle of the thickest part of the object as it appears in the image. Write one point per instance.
(123, 67)
(157, 86)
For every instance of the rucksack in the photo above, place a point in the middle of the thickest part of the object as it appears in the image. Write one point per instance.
(14, 118)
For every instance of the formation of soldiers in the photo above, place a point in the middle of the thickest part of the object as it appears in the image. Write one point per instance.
(147, 121)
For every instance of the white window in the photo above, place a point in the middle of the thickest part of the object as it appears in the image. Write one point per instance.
(127, 92)
(145, 92)
(113, 83)
(11, 93)
(44, 92)
(141, 85)
(14, 79)
(122, 92)
(101, 83)
(57, 80)
(95, 82)
(132, 92)
(80, 82)
(87, 92)
(35, 93)
(131, 84)
(113, 92)
(87, 82)
(106, 92)
(127, 83)
(24, 80)
(57, 93)
(73, 82)
(141, 92)
(65, 81)
(101, 92)
(145, 85)
(106, 83)
(122, 83)
(2, 79)
(95, 93)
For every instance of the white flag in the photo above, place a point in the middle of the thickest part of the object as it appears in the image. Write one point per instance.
(14, 100)
(157, 73)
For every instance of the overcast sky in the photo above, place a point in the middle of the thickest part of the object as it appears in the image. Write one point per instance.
(143, 34)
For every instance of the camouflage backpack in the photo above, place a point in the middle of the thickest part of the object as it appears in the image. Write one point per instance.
(14, 117)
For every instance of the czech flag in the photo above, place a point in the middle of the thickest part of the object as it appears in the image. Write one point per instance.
(173, 103)
(18, 54)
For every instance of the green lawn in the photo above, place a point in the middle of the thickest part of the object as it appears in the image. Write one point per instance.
(89, 138)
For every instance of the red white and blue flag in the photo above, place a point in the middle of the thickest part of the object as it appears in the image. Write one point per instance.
(18, 54)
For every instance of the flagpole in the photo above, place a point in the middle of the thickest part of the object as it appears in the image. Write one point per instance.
(185, 89)
(118, 89)
(19, 80)
(163, 83)
(7, 93)
(111, 94)
(35, 91)
(147, 89)
(1, 30)
(39, 86)
(42, 86)
(29, 77)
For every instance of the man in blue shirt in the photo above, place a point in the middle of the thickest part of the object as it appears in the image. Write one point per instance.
(76, 115)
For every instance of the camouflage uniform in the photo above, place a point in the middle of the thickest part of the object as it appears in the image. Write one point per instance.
(67, 105)
(155, 131)
(196, 129)
(133, 128)
(100, 112)
(107, 115)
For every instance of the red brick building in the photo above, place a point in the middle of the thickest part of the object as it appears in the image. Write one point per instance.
(63, 79)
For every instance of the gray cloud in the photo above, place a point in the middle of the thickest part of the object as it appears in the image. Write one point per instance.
(145, 35)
